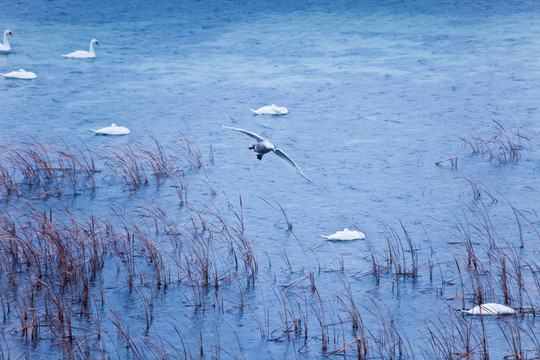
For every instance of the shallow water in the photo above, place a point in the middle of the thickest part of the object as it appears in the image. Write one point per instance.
(377, 93)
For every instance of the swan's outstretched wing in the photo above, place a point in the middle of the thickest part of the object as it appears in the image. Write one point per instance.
(289, 161)
(248, 133)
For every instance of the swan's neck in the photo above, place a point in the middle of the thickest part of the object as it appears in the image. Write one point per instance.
(6, 41)
(91, 51)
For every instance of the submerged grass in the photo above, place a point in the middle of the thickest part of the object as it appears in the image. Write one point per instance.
(41, 169)
(56, 263)
(502, 142)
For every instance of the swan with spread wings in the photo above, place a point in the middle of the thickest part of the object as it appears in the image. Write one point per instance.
(263, 146)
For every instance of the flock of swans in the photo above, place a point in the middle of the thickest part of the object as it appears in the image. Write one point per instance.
(261, 147)
(5, 47)
(21, 74)
(78, 54)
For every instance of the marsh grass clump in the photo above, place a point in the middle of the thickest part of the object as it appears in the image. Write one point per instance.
(453, 336)
(400, 257)
(452, 159)
(126, 165)
(136, 163)
(42, 169)
(285, 217)
(494, 268)
(502, 142)
(53, 257)
(52, 264)
(523, 340)
(478, 189)
(361, 342)
(391, 341)
(8, 188)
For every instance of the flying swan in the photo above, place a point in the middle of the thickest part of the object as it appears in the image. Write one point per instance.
(81, 54)
(264, 146)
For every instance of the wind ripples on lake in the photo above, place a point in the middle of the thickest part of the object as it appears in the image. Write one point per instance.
(175, 241)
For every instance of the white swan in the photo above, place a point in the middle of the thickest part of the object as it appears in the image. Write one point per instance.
(5, 46)
(490, 309)
(346, 234)
(81, 54)
(21, 74)
(264, 146)
(113, 130)
(271, 110)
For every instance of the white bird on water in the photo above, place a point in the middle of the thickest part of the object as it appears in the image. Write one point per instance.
(490, 309)
(113, 130)
(346, 234)
(5, 46)
(271, 110)
(21, 74)
(81, 54)
(264, 146)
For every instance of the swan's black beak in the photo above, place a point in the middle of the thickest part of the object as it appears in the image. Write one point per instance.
(11, 34)
(97, 43)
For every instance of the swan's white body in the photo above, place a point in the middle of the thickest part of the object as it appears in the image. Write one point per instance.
(271, 110)
(346, 234)
(21, 74)
(263, 146)
(5, 46)
(490, 309)
(81, 54)
(113, 130)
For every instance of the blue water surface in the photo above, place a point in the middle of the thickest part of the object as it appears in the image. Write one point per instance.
(377, 92)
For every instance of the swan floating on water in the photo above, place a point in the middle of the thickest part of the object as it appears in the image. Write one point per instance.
(271, 110)
(346, 234)
(5, 46)
(21, 74)
(81, 54)
(264, 146)
(113, 130)
(490, 309)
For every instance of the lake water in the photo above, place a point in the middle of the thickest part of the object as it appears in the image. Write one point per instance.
(378, 92)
